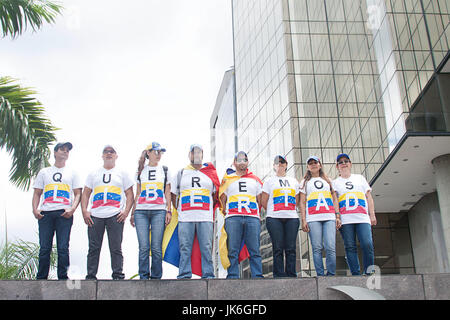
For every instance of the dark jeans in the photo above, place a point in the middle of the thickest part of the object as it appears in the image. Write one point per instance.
(114, 231)
(283, 233)
(52, 223)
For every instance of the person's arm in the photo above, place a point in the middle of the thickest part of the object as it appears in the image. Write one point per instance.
(305, 226)
(223, 202)
(129, 194)
(264, 200)
(168, 196)
(336, 209)
(68, 212)
(371, 207)
(84, 205)
(138, 193)
(35, 203)
(258, 200)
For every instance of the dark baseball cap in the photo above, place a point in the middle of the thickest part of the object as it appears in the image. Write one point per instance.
(242, 153)
(279, 159)
(342, 155)
(63, 144)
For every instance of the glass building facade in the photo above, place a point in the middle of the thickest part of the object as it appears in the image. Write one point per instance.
(321, 77)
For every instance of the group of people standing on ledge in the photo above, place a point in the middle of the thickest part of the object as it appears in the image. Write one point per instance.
(107, 198)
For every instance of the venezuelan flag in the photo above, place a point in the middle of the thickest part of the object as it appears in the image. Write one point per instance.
(320, 202)
(151, 193)
(242, 204)
(106, 196)
(57, 193)
(195, 199)
(352, 202)
(284, 199)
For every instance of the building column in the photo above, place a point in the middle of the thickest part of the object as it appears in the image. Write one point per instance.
(441, 167)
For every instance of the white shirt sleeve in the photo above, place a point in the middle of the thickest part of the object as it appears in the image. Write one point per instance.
(266, 186)
(39, 182)
(90, 181)
(302, 187)
(364, 184)
(76, 181)
(126, 180)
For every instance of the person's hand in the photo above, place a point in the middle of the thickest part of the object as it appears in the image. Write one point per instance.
(168, 217)
(373, 219)
(68, 213)
(122, 216)
(338, 223)
(87, 218)
(132, 220)
(305, 226)
(37, 214)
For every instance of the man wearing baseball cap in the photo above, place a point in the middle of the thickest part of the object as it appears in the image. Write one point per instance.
(109, 206)
(60, 190)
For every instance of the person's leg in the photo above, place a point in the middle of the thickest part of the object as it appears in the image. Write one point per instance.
(114, 230)
(46, 232)
(329, 242)
(205, 241)
(252, 236)
(315, 235)
(364, 233)
(157, 221)
(234, 227)
(63, 227)
(291, 227)
(348, 233)
(275, 229)
(142, 225)
(186, 232)
(95, 237)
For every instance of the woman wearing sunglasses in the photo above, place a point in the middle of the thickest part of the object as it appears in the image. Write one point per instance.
(358, 215)
(151, 209)
(320, 215)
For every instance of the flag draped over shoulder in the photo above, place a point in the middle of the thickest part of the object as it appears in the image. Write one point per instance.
(170, 245)
(228, 179)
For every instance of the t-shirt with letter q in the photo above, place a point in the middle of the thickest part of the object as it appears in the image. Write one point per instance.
(352, 199)
(282, 192)
(241, 198)
(57, 185)
(319, 202)
(108, 191)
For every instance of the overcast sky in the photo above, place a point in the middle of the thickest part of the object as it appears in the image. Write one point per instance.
(123, 73)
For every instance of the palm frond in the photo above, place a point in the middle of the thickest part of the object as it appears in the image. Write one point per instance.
(25, 132)
(17, 15)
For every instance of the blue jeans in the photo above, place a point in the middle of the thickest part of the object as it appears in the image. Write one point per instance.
(247, 229)
(144, 220)
(53, 222)
(186, 233)
(364, 233)
(283, 233)
(323, 235)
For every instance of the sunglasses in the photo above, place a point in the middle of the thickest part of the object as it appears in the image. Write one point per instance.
(109, 151)
(158, 152)
(344, 161)
(241, 160)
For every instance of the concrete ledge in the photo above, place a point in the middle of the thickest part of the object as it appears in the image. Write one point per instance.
(391, 287)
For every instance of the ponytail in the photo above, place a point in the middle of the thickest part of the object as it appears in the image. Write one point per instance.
(141, 163)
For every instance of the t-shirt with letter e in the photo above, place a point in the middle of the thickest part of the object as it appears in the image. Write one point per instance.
(195, 202)
(241, 198)
(108, 191)
(152, 195)
(352, 199)
(57, 185)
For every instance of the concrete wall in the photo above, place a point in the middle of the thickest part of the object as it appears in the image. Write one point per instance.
(391, 287)
(427, 237)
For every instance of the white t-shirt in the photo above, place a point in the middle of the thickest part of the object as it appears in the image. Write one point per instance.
(319, 202)
(152, 188)
(352, 199)
(195, 203)
(241, 198)
(57, 185)
(282, 192)
(108, 191)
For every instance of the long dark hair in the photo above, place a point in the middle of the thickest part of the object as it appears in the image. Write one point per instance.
(141, 164)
